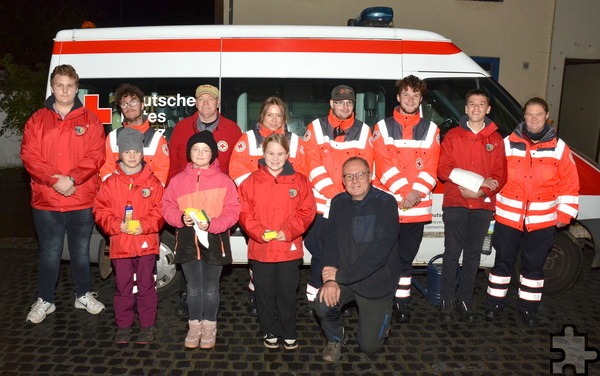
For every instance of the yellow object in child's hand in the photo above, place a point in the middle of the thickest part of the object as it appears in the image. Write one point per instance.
(189, 211)
(197, 215)
(270, 235)
(133, 225)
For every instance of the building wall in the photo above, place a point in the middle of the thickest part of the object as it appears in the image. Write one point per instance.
(576, 35)
(516, 31)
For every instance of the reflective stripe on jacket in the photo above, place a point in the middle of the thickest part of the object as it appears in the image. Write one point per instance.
(542, 185)
(325, 157)
(248, 151)
(406, 162)
(156, 152)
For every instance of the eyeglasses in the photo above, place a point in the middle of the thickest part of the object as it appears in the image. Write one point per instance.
(344, 103)
(131, 103)
(358, 176)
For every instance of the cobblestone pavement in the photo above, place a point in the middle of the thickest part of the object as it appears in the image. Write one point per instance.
(73, 342)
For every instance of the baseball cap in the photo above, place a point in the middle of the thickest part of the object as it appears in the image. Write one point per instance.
(207, 89)
(343, 92)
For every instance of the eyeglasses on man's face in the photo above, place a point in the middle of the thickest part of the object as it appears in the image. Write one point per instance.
(358, 176)
(131, 103)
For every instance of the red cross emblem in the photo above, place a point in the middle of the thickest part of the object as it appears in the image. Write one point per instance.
(91, 102)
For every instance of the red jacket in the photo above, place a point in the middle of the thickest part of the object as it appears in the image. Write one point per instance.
(481, 153)
(156, 152)
(72, 147)
(407, 150)
(325, 156)
(226, 134)
(283, 203)
(248, 151)
(542, 186)
(145, 193)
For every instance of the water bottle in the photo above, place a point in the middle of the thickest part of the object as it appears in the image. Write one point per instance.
(128, 212)
(486, 249)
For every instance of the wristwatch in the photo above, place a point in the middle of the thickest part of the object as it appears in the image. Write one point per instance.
(71, 179)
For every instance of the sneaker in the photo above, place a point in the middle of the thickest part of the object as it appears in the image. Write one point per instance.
(290, 344)
(39, 310)
(333, 350)
(192, 340)
(123, 336)
(89, 303)
(146, 335)
(209, 334)
(271, 342)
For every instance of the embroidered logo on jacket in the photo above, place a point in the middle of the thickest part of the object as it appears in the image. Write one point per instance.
(240, 147)
(419, 164)
(293, 193)
(489, 147)
(222, 145)
(307, 135)
(146, 192)
(80, 130)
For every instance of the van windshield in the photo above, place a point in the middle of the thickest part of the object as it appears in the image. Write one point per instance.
(169, 100)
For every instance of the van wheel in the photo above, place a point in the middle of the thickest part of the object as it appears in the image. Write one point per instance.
(562, 266)
(169, 279)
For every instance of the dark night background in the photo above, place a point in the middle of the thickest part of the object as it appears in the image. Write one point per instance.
(27, 27)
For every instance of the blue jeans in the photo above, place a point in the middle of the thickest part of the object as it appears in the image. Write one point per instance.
(202, 289)
(51, 227)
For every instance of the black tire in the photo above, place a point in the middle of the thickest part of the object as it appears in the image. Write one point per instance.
(562, 266)
(169, 277)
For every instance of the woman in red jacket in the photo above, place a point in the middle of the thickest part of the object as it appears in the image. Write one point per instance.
(541, 194)
(277, 208)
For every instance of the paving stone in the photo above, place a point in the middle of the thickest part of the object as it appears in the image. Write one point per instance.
(73, 342)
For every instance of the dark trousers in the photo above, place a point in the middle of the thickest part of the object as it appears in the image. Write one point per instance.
(202, 289)
(464, 230)
(276, 286)
(51, 227)
(374, 316)
(410, 236)
(135, 291)
(314, 244)
(534, 246)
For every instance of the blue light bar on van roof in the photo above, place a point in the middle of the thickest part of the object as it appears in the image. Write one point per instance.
(374, 17)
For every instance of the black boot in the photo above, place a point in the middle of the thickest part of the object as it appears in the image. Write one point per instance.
(529, 318)
(447, 310)
(466, 312)
(493, 312)
(401, 311)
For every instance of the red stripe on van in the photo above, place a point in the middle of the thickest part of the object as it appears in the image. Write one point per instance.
(136, 46)
(256, 45)
(339, 45)
(589, 176)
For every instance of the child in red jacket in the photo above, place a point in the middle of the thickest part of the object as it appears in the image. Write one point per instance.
(278, 206)
(128, 209)
(473, 167)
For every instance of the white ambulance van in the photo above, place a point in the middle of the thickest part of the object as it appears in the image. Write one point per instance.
(301, 64)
